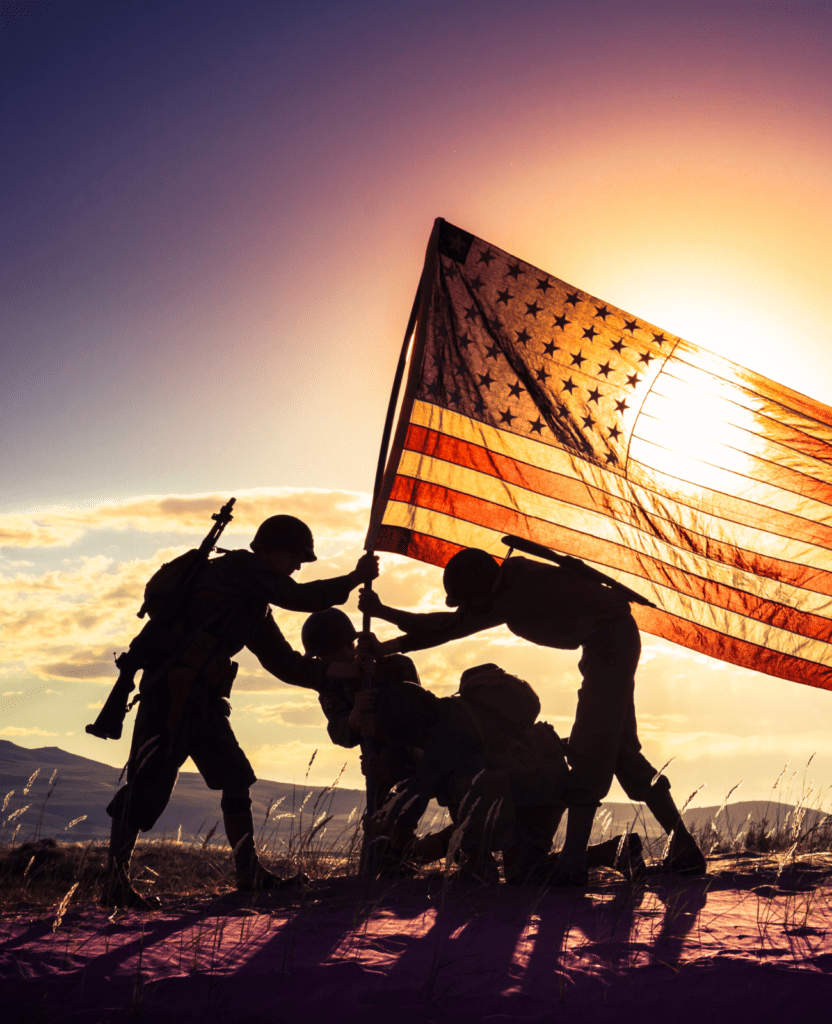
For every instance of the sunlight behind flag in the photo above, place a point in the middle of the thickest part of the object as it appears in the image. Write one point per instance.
(533, 408)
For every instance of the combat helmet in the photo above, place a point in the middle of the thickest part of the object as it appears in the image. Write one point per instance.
(469, 575)
(285, 532)
(325, 632)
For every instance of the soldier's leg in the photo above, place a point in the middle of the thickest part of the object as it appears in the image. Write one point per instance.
(136, 808)
(527, 859)
(640, 781)
(222, 763)
(608, 667)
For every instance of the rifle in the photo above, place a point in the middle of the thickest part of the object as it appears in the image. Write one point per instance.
(156, 635)
(574, 565)
(368, 851)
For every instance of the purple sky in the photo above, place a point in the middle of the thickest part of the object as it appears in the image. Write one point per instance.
(216, 212)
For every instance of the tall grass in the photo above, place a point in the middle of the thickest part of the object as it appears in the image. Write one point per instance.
(47, 872)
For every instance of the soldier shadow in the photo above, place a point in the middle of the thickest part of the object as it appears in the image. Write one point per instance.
(573, 923)
(683, 903)
(466, 953)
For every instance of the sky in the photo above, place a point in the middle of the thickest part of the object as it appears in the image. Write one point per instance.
(215, 216)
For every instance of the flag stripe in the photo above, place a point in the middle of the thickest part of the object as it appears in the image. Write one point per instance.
(688, 383)
(684, 606)
(737, 449)
(581, 533)
(582, 517)
(658, 496)
(731, 544)
(698, 637)
(783, 404)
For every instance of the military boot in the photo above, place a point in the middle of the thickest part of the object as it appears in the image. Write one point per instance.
(683, 856)
(251, 876)
(117, 890)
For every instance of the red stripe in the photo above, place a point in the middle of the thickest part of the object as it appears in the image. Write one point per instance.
(728, 648)
(670, 627)
(496, 517)
(574, 492)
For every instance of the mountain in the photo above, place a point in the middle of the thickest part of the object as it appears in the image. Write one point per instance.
(82, 788)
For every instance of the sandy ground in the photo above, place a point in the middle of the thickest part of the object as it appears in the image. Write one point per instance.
(740, 942)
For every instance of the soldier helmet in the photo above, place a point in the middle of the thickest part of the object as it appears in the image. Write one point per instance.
(405, 711)
(324, 632)
(285, 532)
(469, 575)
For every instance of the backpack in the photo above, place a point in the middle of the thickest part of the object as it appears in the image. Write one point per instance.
(507, 696)
(165, 580)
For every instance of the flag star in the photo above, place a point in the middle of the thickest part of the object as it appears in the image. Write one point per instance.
(632, 379)
(611, 458)
(471, 312)
(493, 324)
(543, 285)
(603, 312)
(536, 425)
(492, 351)
(645, 358)
(660, 339)
(594, 395)
(532, 309)
(621, 406)
(454, 397)
(578, 358)
(572, 298)
(550, 348)
(515, 390)
(588, 422)
(464, 341)
(618, 346)
(605, 369)
(507, 417)
(542, 375)
(630, 325)
(487, 256)
(561, 321)
(569, 385)
(504, 297)
(486, 380)
(514, 270)
(477, 283)
(479, 406)
(615, 433)
(590, 332)
(523, 336)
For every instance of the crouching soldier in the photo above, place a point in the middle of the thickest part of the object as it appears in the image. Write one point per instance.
(501, 774)
(184, 690)
(350, 714)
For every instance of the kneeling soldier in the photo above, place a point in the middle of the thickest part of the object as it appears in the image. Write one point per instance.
(350, 711)
(501, 774)
(184, 708)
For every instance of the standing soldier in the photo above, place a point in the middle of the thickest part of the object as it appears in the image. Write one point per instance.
(184, 707)
(556, 607)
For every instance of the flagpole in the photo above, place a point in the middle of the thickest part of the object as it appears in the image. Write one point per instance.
(372, 531)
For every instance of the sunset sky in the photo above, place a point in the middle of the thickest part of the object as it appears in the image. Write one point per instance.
(215, 215)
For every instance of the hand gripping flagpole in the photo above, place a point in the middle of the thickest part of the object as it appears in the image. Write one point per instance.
(381, 489)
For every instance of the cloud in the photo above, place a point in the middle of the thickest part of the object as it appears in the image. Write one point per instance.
(299, 713)
(330, 514)
(17, 730)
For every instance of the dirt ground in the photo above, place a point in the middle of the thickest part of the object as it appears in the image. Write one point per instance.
(748, 939)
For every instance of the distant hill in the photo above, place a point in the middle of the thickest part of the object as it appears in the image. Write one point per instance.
(82, 788)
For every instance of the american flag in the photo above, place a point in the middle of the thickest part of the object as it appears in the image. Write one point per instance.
(535, 409)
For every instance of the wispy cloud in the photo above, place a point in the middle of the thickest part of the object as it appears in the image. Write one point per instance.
(18, 730)
(330, 513)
